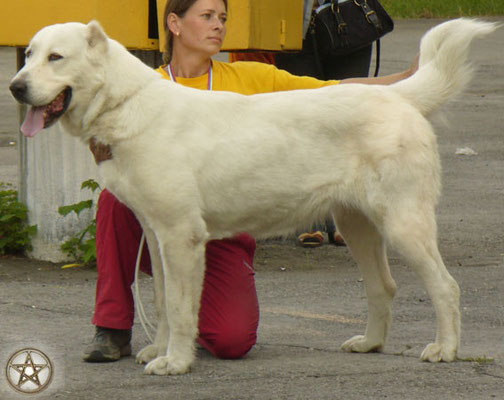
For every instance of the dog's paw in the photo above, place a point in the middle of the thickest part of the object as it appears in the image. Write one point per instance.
(434, 352)
(166, 365)
(147, 354)
(360, 344)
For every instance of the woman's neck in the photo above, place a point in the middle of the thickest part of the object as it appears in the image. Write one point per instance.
(189, 66)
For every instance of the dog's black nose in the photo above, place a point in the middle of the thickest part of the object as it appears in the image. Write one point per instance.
(18, 89)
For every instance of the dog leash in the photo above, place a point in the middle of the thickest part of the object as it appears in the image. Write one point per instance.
(144, 321)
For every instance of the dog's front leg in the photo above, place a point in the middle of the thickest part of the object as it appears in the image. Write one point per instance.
(158, 348)
(183, 261)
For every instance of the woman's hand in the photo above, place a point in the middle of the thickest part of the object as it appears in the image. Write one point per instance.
(414, 65)
(101, 152)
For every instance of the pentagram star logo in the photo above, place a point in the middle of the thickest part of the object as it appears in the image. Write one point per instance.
(29, 371)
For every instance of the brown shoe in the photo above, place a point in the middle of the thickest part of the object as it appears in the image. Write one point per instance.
(108, 345)
(336, 239)
(311, 239)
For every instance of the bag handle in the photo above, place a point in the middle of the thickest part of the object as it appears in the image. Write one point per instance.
(373, 19)
(370, 15)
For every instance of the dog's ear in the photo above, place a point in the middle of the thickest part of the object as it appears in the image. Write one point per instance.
(95, 35)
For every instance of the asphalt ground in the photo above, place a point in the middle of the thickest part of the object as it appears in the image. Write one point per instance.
(311, 300)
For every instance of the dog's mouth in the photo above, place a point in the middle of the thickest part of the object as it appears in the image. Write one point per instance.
(42, 117)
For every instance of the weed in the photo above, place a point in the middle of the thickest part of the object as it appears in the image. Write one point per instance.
(480, 360)
(442, 9)
(15, 233)
(82, 246)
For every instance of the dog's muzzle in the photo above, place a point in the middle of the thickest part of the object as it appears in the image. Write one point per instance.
(40, 117)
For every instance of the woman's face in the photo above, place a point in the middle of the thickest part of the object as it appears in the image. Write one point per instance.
(203, 27)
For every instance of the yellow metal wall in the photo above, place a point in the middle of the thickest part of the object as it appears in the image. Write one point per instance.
(123, 20)
(252, 24)
(264, 25)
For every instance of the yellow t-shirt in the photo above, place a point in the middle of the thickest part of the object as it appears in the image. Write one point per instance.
(249, 77)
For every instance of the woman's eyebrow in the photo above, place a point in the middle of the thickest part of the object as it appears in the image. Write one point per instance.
(213, 11)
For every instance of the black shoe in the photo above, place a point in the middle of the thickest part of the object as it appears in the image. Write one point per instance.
(108, 345)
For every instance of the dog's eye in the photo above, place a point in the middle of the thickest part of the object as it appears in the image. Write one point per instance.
(54, 57)
(28, 54)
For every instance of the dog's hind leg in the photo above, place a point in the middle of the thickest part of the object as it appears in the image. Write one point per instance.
(412, 232)
(368, 250)
(158, 348)
(183, 259)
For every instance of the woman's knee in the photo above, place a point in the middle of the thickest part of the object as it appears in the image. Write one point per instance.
(231, 343)
(109, 205)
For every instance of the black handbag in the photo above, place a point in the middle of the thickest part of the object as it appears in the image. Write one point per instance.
(341, 27)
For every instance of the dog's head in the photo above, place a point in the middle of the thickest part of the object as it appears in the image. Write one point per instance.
(57, 65)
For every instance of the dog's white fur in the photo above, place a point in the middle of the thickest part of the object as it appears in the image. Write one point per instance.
(195, 165)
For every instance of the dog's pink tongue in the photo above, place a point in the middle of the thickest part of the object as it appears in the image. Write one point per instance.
(34, 121)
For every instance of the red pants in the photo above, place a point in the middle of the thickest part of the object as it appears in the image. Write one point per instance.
(229, 313)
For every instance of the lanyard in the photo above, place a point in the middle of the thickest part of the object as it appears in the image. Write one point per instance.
(210, 75)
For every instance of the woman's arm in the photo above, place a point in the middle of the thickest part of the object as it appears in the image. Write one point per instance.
(388, 79)
(283, 80)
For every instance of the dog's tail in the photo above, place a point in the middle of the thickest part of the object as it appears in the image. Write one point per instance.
(443, 70)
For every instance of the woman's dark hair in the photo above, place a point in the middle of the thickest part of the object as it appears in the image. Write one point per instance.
(178, 7)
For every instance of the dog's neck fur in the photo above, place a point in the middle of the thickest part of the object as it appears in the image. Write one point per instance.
(118, 69)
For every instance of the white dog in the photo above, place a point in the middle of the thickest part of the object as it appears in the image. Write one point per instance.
(197, 165)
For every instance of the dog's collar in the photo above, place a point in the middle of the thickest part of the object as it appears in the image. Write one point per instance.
(210, 75)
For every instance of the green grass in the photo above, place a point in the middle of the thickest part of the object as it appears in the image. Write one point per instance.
(442, 8)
